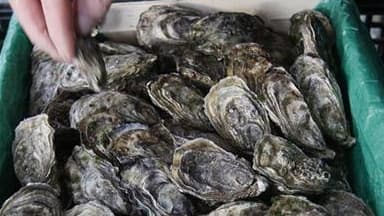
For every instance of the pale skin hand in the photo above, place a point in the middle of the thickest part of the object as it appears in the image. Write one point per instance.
(53, 25)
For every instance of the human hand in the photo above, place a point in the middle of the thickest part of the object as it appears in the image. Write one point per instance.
(52, 25)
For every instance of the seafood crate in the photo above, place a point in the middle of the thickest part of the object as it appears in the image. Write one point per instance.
(361, 80)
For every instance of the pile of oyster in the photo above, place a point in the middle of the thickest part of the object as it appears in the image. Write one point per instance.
(213, 115)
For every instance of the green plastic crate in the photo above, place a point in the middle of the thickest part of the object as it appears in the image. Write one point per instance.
(361, 78)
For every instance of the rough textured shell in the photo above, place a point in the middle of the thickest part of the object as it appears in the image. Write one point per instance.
(323, 96)
(148, 180)
(289, 205)
(240, 208)
(91, 208)
(165, 24)
(33, 151)
(33, 199)
(184, 103)
(114, 48)
(216, 32)
(344, 203)
(93, 178)
(236, 113)
(203, 169)
(287, 108)
(288, 167)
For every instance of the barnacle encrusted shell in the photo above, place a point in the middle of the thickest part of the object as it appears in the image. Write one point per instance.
(203, 169)
(288, 167)
(240, 208)
(287, 108)
(237, 113)
(323, 97)
(92, 208)
(184, 103)
(33, 199)
(33, 151)
(289, 205)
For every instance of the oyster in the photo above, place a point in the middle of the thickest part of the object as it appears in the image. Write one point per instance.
(289, 205)
(91, 178)
(148, 180)
(162, 25)
(203, 169)
(33, 199)
(287, 108)
(33, 151)
(288, 167)
(344, 203)
(91, 208)
(240, 208)
(323, 96)
(236, 113)
(184, 103)
(216, 32)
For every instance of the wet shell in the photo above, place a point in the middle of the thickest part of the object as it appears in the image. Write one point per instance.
(91, 208)
(289, 205)
(216, 32)
(203, 169)
(33, 199)
(33, 151)
(344, 203)
(288, 167)
(287, 108)
(184, 103)
(236, 113)
(323, 96)
(148, 180)
(165, 25)
(240, 208)
(93, 178)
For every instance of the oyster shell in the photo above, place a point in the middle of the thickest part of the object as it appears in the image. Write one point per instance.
(344, 203)
(288, 167)
(33, 151)
(237, 113)
(93, 178)
(165, 25)
(240, 208)
(289, 205)
(148, 180)
(91, 208)
(323, 97)
(287, 108)
(216, 32)
(33, 199)
(184, 103)
(203, 169)
(114, 48)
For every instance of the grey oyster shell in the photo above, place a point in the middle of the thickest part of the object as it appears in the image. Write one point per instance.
(344, 203)
(33, 199)
(162, 25)
(33, 151)
(236, 113)
(289, 205)
(91, 208)
(203, 169)
(184, 103)
(323, 96)
(216, 32)
(129, 108)
(288, 167)
(312, 32)
(132, 140)
(91, 178)
(114, 48)
(287, 108)
(240, 208)
(147, 181)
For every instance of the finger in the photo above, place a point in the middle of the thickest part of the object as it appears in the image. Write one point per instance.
(32, 20)
(59, 19)
(90, 13)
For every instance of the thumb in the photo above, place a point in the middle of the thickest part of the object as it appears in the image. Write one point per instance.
(90, 13)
